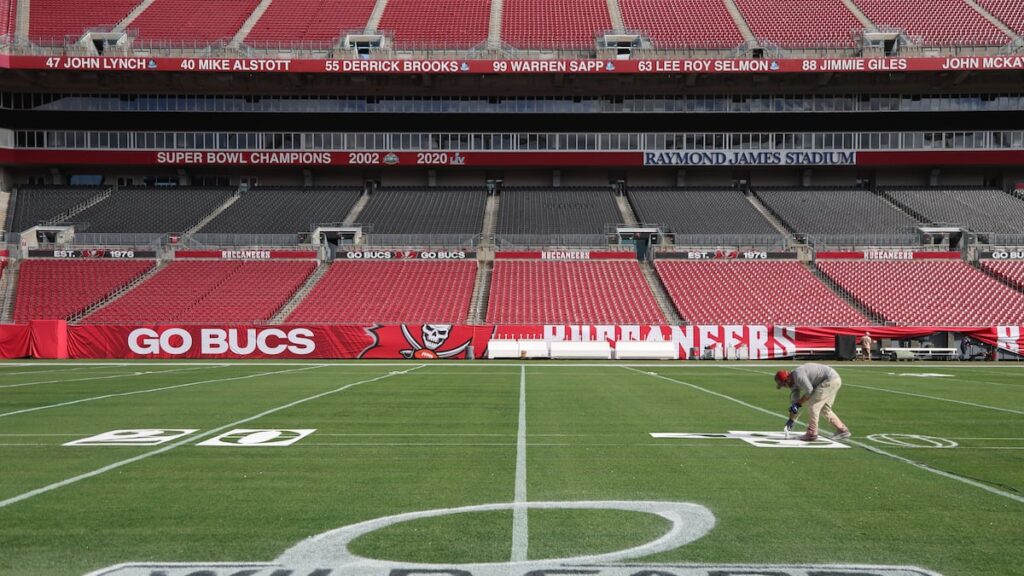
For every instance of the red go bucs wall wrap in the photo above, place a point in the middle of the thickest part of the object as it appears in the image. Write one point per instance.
(442, 341)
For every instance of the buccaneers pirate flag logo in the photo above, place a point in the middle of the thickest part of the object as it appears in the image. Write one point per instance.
(426, 341)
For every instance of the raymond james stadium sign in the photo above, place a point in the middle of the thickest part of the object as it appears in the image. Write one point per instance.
(750, 158)
(328, 554)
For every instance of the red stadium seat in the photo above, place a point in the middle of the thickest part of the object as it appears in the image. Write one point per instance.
(928, 292)
(682, 23)
(535, 292)
(210, 292)
(439, 23)
(53, 20)
(801, 23)
(51, 289)
(941, 23)
(397, 291)
(724, 292)
(554, 23)
(289, 21)
(193, 20)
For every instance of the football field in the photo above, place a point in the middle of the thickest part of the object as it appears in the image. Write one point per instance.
(488, 469)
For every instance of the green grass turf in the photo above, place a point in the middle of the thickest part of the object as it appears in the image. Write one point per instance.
(446, 435)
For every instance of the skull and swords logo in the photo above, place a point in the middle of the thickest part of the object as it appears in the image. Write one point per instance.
(434, 336)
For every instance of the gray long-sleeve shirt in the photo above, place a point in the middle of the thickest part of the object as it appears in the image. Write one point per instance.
(808, 377)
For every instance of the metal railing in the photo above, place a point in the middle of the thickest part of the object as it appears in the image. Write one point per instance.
(761, 241)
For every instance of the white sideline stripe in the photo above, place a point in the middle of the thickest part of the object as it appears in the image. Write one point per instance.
(867, 447)
(193, 438)
(520, 520)
(124, 375)
(4, 373)
(90, 399)
(1011, 411)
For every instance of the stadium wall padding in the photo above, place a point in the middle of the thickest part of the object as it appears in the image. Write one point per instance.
(55, 339)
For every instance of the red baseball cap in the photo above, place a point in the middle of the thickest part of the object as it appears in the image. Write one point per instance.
(780, 378)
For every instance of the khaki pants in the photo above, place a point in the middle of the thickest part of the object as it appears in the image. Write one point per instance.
(821, 402)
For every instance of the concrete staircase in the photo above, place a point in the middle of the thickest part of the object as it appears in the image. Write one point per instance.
(628, 217)
(661, 294)
(199, 226)
(741, 22)
(9, 290)
(301, 293)
(901, 206)
(75, 211)
(846, 296)
(5, 203)
(768, 215)
(249, 23)
(481, 292)
(494, 25)
(375, 16)
(615, 13)
(77, 317)
(864, 20)
(490, 221)
(353, 214)
(131, 16)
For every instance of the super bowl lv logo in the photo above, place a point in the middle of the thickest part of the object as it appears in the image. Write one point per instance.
(426, 341)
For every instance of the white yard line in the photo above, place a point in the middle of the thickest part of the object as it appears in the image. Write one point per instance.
(520, 523)
(124, 375)
(4, 373)
(190, 439)
(148, 390)
(870, 448)
(487, 365)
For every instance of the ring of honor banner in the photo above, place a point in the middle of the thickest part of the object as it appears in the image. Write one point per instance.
(432, 341)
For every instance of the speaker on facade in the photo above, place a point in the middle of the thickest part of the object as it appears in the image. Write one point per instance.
(846, 347)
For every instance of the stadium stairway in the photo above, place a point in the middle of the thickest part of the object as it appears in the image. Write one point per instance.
(67, 215)
(741, 22)
(900, 205)
(494, 25)
(133, 15)
(5, 203)
(76, 318)
(846, 296)
(249, 23)
(490, 222)
(481, 292)
(768, 214)
(281, 315)
(615, 13)
(356, 210)
(376, 15)
(9, 289)
(227, 203)
(672, 316)
(628, 216)
(856, 11)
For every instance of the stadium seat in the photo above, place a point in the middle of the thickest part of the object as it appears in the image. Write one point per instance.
(942, 23)
(52, 289)
(318, 21)
(539, 24)
(192, 291)
(724, 292)
(980, 209)
(1011, 271)
(801, 23)
(928, 292)
(682, 23)
(548, 212)
(454, 24)
(832, 211)
(402, 291)
(1010, 12)
(270, 210)
(425, 211)
(538, 292)
(198, 21)
(699, 210)
(36, 205)
(53, 21)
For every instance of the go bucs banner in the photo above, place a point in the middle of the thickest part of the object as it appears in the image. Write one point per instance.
(397, 341)
(446, 341)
